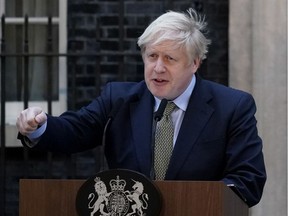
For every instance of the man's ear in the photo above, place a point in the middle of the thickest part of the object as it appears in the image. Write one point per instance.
(196, 64)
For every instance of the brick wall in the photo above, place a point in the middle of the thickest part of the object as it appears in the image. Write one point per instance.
(115, 26)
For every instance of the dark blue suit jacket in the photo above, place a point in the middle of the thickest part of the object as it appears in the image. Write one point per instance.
(218, 139)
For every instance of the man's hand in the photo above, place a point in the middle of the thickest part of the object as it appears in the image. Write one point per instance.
(29, 120)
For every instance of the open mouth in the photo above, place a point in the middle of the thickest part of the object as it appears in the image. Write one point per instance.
(159, 80)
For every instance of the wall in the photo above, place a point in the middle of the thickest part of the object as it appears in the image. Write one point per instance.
(258, 64)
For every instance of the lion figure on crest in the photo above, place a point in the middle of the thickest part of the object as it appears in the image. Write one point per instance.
(102, 201)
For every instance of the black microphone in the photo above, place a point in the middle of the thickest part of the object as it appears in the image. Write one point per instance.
(157, 117)
(159, 113)
(111, 117)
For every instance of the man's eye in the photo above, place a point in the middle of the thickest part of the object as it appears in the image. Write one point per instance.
(152, 56)
(170, 58)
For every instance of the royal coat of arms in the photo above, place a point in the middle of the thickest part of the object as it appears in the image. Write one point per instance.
(124, 194)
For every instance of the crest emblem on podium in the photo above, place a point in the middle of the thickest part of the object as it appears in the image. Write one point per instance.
(118, 193)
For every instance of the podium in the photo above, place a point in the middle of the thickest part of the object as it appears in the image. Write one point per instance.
(180, 198)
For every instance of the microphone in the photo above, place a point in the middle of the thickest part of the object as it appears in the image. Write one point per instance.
(111, 117)
(157, 117)
(159, 113)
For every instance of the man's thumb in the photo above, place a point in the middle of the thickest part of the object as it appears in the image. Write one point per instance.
(41, 118)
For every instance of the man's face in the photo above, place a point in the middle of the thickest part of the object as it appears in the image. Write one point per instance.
(168, 70)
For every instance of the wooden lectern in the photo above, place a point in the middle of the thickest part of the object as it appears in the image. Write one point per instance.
(180, 198)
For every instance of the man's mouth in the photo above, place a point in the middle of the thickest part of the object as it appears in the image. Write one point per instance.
(159, 80)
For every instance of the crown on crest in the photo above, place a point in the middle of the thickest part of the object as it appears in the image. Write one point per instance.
(97, 179)
(117, 184)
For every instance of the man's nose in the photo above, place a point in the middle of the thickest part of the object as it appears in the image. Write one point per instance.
(159, 66)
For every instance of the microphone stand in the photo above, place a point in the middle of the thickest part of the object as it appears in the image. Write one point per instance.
(118, 104)
(111, 116)
(103, 161)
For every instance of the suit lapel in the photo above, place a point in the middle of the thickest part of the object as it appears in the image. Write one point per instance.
(141, 124)
(196, 117)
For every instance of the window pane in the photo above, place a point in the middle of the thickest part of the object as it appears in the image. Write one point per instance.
(38, 66)
(33, 8)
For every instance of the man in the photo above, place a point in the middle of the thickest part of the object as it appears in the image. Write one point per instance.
(215, 136)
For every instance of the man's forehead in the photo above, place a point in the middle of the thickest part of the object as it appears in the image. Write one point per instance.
(167, 45)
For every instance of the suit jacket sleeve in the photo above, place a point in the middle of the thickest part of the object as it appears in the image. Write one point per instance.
(81, 130)
(244, 158)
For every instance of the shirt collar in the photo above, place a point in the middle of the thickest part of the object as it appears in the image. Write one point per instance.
(182, 100)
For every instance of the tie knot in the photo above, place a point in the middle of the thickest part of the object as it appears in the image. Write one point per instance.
(169, 108)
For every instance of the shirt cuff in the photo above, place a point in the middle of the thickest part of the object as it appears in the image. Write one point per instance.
(35, 136)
